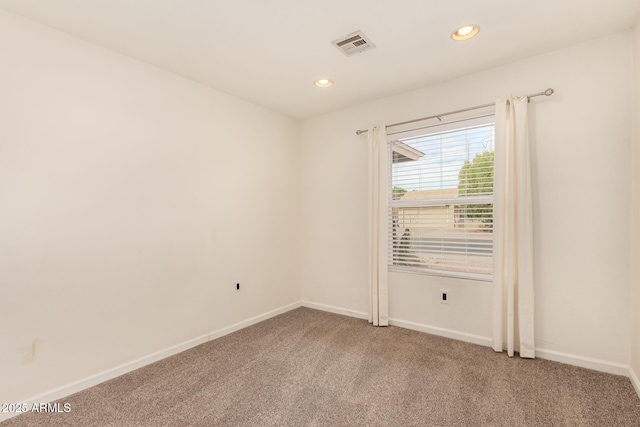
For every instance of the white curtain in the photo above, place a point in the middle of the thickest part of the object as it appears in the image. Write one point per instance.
(378, 225)
(513, 313)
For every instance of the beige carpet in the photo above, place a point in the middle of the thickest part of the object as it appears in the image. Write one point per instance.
(311, 368)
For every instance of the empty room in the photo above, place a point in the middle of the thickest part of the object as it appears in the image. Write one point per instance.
(291, 213)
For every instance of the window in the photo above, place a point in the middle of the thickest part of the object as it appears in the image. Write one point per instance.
(441, 200)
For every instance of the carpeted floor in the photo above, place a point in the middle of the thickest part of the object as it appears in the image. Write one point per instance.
(311, 368)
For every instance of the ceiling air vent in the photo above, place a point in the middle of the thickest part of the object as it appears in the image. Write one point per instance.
(353, 43)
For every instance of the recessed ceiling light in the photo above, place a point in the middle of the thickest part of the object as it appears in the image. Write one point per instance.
(324, 83)
(465, 33)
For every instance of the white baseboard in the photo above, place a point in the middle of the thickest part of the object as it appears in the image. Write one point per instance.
(69, 389)
(109, 374)
(442, 332)
(461, 336)
(556, 356)
(252, 321)
(583, 362)
(634, 380)
(336, 310)
(74, 387)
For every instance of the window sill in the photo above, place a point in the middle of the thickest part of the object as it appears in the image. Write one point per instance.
(440, 273)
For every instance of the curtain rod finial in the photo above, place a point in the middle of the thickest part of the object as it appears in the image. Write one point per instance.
(548, 92)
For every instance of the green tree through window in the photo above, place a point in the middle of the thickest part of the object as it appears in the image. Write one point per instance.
(398, 192)
(476, 179)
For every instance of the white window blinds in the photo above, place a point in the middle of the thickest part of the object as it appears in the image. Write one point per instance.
(441, 201)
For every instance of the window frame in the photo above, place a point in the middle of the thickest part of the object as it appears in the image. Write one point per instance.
(488, 119)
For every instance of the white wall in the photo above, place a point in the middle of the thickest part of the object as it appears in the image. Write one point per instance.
(581, 174)
(132, 201)
(635, 255)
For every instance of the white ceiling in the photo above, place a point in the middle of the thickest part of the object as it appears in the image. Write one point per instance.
(271, 51)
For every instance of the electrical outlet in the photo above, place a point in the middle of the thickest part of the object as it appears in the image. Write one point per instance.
(237, 287)
(444, 296)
